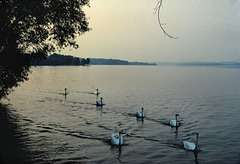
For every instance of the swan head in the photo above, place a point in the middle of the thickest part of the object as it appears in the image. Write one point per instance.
(176, 115)
(142, 108)
(197, 134)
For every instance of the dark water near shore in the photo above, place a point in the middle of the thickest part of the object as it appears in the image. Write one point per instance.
(58, 129)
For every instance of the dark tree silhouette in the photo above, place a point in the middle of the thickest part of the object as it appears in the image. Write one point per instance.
(83, 61)
(57, 59)
(36, 28)
(88, 61)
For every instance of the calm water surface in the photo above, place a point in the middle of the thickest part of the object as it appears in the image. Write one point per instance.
(58, 129)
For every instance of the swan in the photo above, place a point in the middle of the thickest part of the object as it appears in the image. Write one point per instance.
(175, 122)
(191, 146)
(65, 92)
(117, 138)
(140, 113)
(99, 102)
(96, 92)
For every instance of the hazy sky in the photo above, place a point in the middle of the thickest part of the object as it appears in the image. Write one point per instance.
(208, 30)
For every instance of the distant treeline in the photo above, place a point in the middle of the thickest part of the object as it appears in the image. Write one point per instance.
(57, 59)
(95, 61)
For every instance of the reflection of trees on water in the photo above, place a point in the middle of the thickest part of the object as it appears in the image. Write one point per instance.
(36, 28)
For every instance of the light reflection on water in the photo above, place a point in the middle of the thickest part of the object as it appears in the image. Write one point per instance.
(72, 129)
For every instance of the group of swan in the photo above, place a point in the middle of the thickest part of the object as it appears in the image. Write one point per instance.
(98, 102)
(117, 138)
(175, 123)
(187, 145)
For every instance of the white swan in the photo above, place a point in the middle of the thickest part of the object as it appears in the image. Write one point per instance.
(191, 146)
(175, 122)
(99, 102)
(140, 113)
(96, 92)
(117, 138)
(65, 92)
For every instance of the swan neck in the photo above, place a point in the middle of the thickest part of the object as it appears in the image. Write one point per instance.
(176, 121)
(119, 138)
(196, 142)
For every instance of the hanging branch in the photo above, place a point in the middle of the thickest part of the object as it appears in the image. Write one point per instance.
(157, 10)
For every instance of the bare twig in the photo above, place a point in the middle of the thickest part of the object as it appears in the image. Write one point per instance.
(157, 10)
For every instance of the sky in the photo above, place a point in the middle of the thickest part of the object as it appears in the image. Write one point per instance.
(207, 31)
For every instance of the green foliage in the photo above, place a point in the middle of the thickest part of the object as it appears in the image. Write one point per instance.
(11, 76)
(36, 28)
(41, 25)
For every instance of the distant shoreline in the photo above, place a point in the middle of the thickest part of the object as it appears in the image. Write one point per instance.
(67, 60)
(216, 64)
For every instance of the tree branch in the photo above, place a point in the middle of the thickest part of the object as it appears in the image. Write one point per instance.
(157, 10)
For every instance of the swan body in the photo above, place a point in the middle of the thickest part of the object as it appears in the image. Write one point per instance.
(65, 92)
(96, 92)
(116, 140)
(99, 102)
(140, 113)
(175, 122)
(190, 145)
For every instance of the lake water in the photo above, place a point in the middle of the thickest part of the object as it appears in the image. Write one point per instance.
(71, 129)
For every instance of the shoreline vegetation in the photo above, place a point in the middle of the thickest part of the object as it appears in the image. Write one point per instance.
(67, 60)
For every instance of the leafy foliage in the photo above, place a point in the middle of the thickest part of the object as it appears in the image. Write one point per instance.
(36, 28)
(11, 76)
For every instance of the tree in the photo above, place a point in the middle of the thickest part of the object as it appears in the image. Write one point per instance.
(83, 61)
(35, 28)
(88, 61)
(76, 61)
